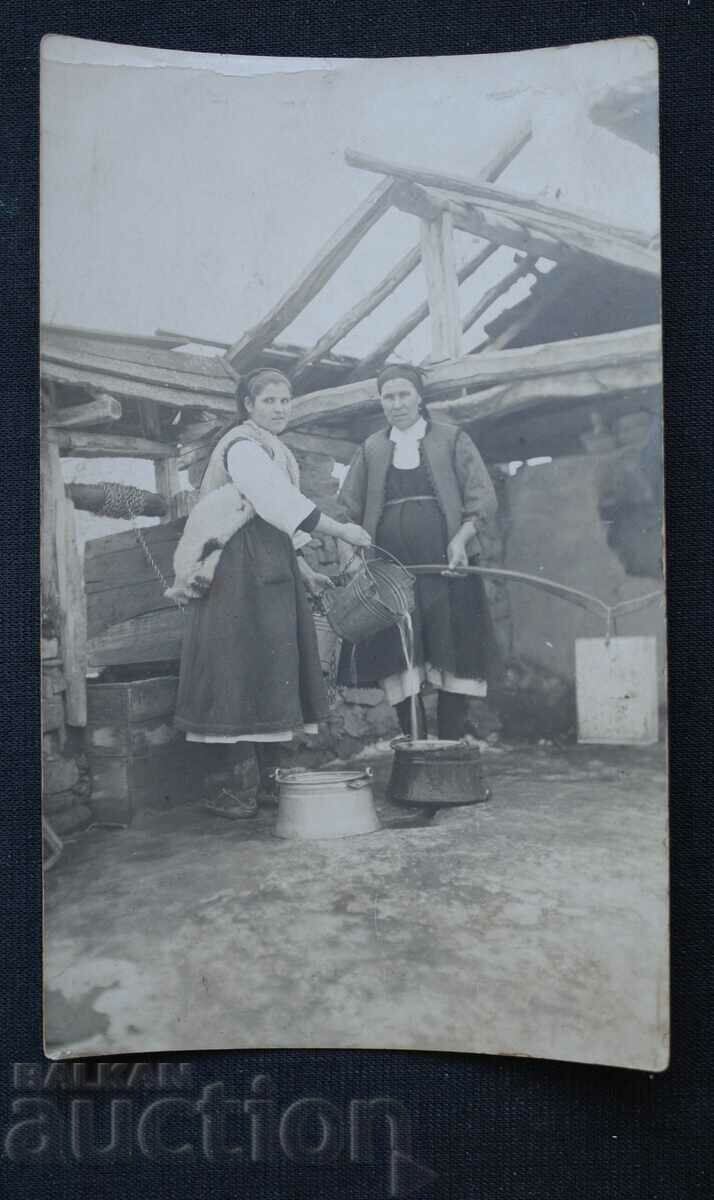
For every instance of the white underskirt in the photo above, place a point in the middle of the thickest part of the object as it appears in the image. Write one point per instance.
(408, 683)
(285, 735)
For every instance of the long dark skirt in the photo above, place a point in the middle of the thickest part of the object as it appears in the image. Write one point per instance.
(453, 630)
(250, 662)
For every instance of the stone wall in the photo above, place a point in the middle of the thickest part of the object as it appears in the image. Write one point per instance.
(552, 527)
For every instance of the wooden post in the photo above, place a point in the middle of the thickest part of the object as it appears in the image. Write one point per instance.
(167, 482)
(437, 249)
(63, 581)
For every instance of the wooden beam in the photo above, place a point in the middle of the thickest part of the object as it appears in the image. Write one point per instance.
(547, 290)
(494, 403)
(157, 339)
(525, 267)
(105, 445)
(121, 354)
(592, 366)
(506, 153)
(359, 311)
(314, 277)
(347, 398)
(166, 474)
(582, 230)
(409, 323)
(340, 449)
(493, 227)
(90, 498)
(437, 252)
(624, 348)
(132, 389)
(96, 412)
(119, 368)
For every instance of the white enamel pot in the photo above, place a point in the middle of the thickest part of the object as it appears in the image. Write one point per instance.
(325, 804)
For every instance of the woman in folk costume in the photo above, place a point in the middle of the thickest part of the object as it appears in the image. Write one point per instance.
(422, 492)
(250, 671)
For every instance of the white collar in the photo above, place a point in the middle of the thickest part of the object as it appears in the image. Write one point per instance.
(414, 433)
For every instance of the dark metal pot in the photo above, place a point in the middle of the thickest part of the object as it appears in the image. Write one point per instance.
(436, 774)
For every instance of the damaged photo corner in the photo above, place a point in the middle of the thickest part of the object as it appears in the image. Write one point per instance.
(353, 625)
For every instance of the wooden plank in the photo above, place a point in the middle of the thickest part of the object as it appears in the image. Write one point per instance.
(119, 368)
(413, 319)
(573, 387)
(314, 277)
(112, 543)
(113, 605)
(638, 349)
(155, 637)
(582, 230)
(135, 701)
(494, 293)
(109, 445)
(135, 389)
(359, 311)
(210, 366)
(339, 449)
(95, 412)
(630, 347)
(287, 354)
(345, 399)
(437, 252)
(105, 335)
(127, 565)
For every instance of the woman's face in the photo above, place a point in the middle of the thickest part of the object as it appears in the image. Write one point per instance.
(400, 402)
(272, 406)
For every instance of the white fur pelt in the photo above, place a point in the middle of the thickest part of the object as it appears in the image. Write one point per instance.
(212, 522)
(220, 512)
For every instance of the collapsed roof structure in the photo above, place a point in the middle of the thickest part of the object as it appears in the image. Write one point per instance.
(584, 340)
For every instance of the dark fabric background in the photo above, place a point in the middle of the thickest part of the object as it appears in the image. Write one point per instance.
(488, 1127)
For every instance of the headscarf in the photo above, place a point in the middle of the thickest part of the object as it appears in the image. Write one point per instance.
(402, 371)
(412, 374)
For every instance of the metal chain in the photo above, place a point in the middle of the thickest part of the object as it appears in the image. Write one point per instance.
(125, 501)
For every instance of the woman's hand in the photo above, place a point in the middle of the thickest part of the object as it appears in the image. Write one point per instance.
(315, 582)
(355, 535)
(456, 552)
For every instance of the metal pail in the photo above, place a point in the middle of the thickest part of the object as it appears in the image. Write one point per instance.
(378, 596)
(325, 804)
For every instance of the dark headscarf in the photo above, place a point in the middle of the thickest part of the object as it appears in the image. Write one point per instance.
(405, 371)
(402, 371)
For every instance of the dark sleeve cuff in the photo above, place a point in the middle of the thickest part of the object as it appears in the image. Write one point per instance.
(310, 521)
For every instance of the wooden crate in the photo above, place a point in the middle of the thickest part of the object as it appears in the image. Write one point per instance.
(137, 758)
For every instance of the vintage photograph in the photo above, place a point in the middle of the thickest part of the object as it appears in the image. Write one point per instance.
(353, 603)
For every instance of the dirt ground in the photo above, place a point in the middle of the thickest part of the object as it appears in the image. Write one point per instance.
(532, 924)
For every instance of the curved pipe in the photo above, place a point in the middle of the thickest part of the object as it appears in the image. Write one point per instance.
(582, 599)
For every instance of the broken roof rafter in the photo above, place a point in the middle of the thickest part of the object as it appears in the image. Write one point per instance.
(582, 231)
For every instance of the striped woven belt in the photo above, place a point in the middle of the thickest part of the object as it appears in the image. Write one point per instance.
(406, 499)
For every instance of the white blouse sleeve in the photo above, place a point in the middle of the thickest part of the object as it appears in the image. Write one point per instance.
(267, 487)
